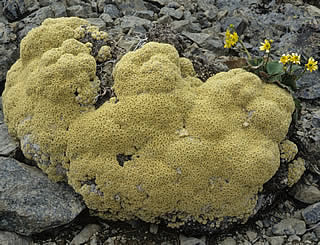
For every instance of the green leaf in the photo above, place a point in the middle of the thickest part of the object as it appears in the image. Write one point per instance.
(274, 67)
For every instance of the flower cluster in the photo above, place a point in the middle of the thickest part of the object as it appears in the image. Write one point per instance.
(231, 39)
(284, 72)
(294, 58)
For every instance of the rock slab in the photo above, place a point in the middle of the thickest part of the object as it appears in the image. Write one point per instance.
(10, 238)
(7, 145)
(30, 202)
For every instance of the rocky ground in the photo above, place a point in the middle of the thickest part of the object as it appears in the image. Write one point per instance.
(196, 28)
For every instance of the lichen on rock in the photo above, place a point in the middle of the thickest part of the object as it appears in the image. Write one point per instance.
(167, 147)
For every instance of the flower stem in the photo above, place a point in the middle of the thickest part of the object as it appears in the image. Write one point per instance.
(245, 49)
(242, 44)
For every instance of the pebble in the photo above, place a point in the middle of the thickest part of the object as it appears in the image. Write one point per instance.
(154, 228)
(85, 234)
(306, 193)
(311, 214)
(251, 235)
(191, 240)
(276, 240)
(289, 226)
(229, 241)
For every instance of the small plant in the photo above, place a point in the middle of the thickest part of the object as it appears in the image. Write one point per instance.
(284, 72)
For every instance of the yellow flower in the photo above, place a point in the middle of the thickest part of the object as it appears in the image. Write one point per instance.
(295, 58)
(228, 34)
(227, 44)
(312, 65)
(266, 46)
(231, 39)
(234, 38)
(285, 58)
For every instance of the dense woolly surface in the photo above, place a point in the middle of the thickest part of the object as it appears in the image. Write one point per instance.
(192, 150)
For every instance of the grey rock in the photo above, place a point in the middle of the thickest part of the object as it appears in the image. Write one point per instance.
(130, 7)
(311, 214)
(128, 22)
(294, 239)
(59, 9)
(173, 4)
(289, 226)
(73, 2)
(180, 25)
(107, 19)
(221, 14)
(30, 202)
(215, 45)
(251, 235)
(207, 4)
(37, 17)
(97, 22)
(308, 132)
(194, 27)
(8, 54)
(188, 16)
(276, 240)
(100, 5)
(229, 241)
(145, 14)
(233, 19)
(309, 86)
(211, 14)
(44, 3)
(166, 19)
(128, 45)
(82, 11)
(112, 11)
(8, 49)
(306, 193)
(309, 236)
(85, 234)
(1, 112)
(3, 19)
(317, 231)
(7, 145)
(313, 10)
(198, 38)
(191, 240)
(154, 228)
(10, 238)
(6, 34)
(17, 9)
(160, 2)
(174, 13)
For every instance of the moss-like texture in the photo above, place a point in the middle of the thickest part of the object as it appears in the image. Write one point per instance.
(169, 146)
(295, 171)
(288, 150)
(52, 84)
